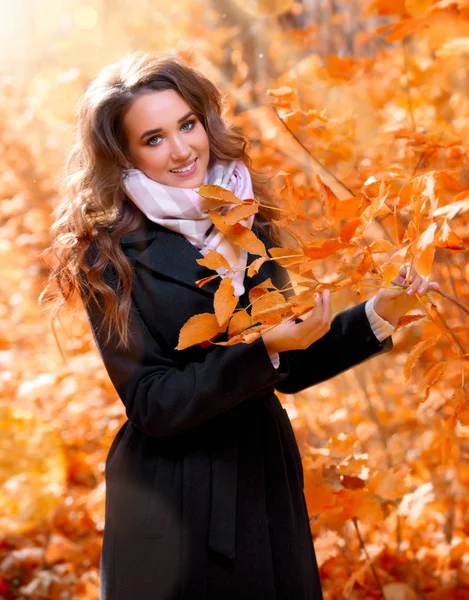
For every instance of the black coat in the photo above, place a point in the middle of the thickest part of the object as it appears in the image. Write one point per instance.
(204, 482)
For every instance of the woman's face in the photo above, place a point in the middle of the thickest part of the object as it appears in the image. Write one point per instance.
(164, 134)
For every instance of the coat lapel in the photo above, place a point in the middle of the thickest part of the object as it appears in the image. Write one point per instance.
(171, 255)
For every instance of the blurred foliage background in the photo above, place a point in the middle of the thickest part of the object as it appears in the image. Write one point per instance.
(392, 78)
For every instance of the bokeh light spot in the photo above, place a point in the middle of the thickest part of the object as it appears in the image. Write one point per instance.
(85, 17)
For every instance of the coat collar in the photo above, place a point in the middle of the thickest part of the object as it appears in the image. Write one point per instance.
(170, 254)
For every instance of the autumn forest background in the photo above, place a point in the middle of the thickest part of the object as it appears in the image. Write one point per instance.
(360, 109)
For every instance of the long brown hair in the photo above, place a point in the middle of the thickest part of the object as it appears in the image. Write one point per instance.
(94, 209)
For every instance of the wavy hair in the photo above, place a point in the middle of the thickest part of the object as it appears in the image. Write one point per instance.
(94, 212)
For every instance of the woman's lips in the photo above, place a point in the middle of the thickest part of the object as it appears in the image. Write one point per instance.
(187, 173)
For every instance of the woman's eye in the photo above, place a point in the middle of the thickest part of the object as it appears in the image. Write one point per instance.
(191, 123)
(151, 141)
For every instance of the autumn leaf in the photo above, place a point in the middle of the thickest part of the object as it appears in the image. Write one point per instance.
(214, 260)
(288, 257)
(408, 320)
(390, 483)
(418, 8)
(247, 336)
(216, 192)
(239, 235)
(240, 212)
(254, 267)
(348, 230)
(224, 301)
(271, 304)
(328, 198)
(381, 246)
(447, 238)
(240, 321)
(197, 329)
(205, 280)
(417, 351)
(390, 272)
(322, 248)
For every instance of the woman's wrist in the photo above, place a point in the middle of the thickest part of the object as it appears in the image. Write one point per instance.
(385, 312)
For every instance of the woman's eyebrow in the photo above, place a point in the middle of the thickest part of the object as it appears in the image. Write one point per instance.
(158, 129)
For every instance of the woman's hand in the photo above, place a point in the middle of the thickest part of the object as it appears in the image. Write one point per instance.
(298, 336)
(392, 304)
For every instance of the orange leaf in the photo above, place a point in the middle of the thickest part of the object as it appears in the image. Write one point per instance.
(448, 239)
(198, 329)
(240, 212)
(407, 320)
(351, 482)
(327, 197)
(295, 257)
(303, 302)
(390, 271)
(239, 322)
(239, 235)
(260, 290)
(216, 192)
(390, 483)
(381, 246)
(318, 495)
(348, 208)
(254, 267)
(418, 8)
(214, 260)
(244, 337)
(202, 282)
(348, 230)
(224, 301)
(360, 504)
(434, 373)
(269, 305)
(417, 350)
(322, 248)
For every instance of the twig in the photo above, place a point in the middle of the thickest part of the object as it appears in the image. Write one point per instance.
(445, 295)
(363, 547)
(453, 285)
(407, 86)
(312, 155)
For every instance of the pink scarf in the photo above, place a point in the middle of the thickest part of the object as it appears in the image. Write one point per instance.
(185, 211)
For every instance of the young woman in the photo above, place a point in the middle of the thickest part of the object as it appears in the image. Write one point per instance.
(204, 481)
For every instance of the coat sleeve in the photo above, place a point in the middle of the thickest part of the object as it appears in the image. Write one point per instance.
(349, 342)
(164, 398)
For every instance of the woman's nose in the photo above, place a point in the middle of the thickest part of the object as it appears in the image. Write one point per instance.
(179, 148)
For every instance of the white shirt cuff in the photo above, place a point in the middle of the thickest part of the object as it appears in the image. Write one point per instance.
(381, 328)
(275, 359)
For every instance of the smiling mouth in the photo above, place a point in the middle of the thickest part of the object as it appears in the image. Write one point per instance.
(183, 170)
